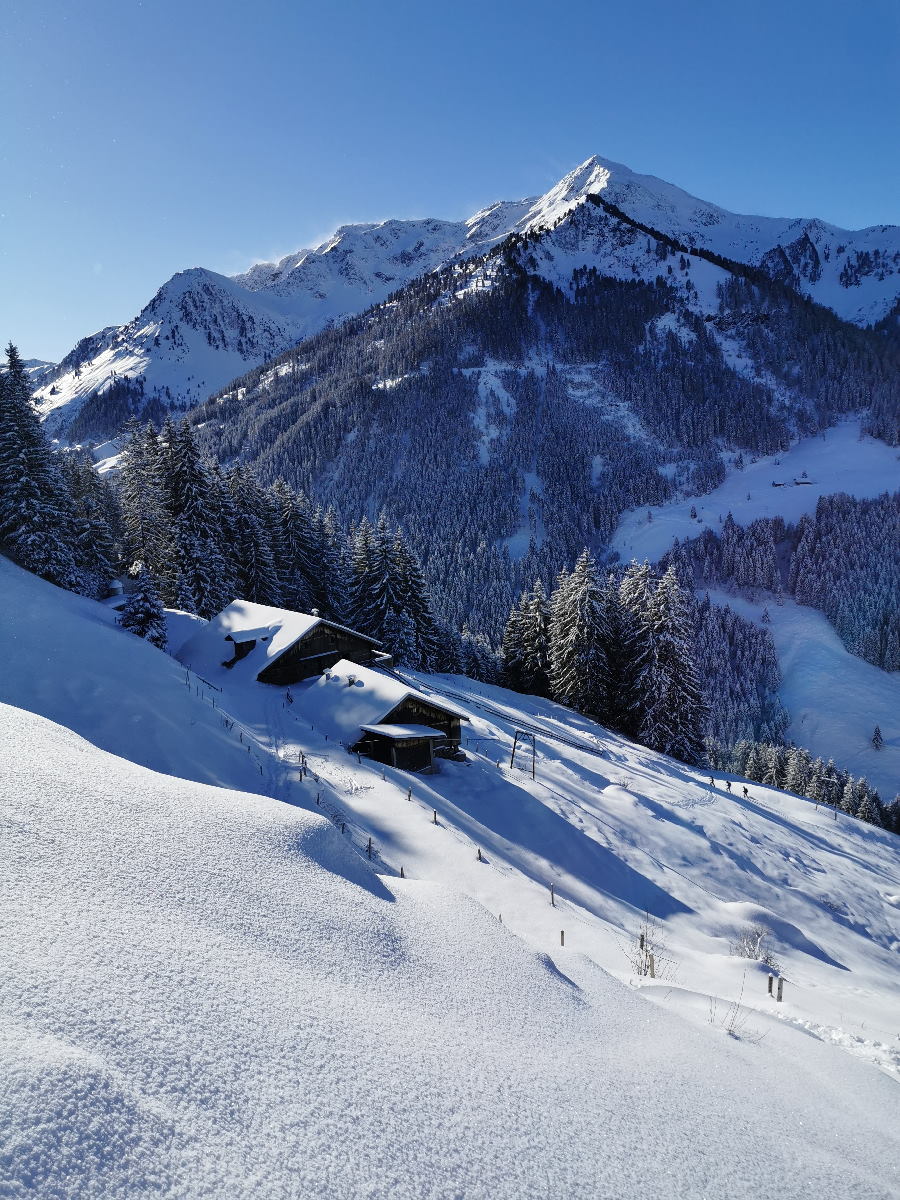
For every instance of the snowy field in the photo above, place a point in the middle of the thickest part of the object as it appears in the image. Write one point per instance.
(834, 698)
(207, 992)
(839, 460)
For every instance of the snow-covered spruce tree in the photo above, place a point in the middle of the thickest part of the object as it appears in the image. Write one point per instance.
(35, 509)
(673, 713)
(849, 802)
(878, 739)
(146, 520)
(293, 547)
(196, 538)
(635, 595)
(413, 595)
(95, 523)
(578, 673)
(399, 634)
(361, 566)
(254, 561)
(478, 659)
(331, 574)
(512, 649)
(379, 592)
(870, 809)
(535, 660)
(143, 612)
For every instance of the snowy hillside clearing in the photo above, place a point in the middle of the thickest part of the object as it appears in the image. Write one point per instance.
(617, 831)
(224, 995)
(207, 993)
(786, 485)
(835, 698)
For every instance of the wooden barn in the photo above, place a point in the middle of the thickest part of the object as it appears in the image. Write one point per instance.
(276, 645)
(373, 713)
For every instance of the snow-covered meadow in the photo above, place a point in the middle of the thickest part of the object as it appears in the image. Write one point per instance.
(210, 992)
(839, 460)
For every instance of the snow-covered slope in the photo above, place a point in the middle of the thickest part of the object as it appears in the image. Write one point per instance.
(207, 992)
(784, 485)
(835, 699)
(203, 329)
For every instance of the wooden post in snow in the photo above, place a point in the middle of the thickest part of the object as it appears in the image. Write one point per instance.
(434, 816)
(552, 896)
(779, 997)
(562, 937)
(771, 981)
(369, 848)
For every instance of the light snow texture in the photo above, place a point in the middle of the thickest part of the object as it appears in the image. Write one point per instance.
(208, 992)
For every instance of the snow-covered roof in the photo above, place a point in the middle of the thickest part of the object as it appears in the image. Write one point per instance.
(249, 635)
(244, 621)
(402, 733)
(341, 709)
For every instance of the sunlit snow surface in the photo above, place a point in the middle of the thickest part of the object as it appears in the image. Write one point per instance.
(838, 460)
(206, 992)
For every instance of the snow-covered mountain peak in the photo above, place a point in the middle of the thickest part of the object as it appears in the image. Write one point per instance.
(202, 329)
(590, 177)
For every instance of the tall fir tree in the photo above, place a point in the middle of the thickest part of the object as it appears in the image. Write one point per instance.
(36, 521)
(578, 673)
(535, 661)
(143, 612)
(673, 710)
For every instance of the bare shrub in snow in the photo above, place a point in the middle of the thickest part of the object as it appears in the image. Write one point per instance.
(753, 942)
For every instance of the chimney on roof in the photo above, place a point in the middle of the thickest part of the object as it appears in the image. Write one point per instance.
(351, 680)
(314, 611)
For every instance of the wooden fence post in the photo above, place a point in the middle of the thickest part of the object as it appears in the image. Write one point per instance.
(771, 981)
(562, 937)
(552, 896)
(780, 989)
(434, 816)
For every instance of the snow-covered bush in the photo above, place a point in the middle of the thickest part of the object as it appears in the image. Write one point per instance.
(753, 942)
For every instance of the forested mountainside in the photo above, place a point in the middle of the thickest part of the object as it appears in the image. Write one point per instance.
(202, 328)
(842, 560)
(506, 410)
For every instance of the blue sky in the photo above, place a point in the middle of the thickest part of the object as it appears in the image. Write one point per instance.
(143, 138)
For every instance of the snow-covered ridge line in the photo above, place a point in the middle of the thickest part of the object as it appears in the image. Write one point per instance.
(203, 329)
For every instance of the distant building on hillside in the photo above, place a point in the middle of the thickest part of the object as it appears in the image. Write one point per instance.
(276, 645)
(376, 714)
